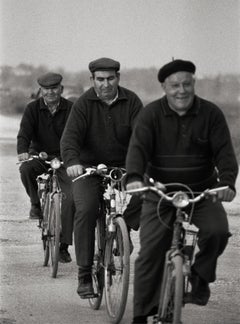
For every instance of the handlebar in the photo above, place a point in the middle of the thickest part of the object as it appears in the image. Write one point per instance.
(55, 163)
(179, 199)
(115, 174)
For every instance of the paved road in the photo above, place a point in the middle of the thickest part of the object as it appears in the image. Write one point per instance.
(29, 295)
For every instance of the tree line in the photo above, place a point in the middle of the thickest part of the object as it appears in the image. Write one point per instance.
(18, 86)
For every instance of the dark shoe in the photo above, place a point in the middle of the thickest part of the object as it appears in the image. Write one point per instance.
(64, 256)
(85, 287)
(140, 320)
(200, 293)
(35, 212)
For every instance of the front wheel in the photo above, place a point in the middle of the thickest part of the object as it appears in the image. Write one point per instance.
(117, 269)
(54, 232)
(45, 237)
(171, 296)
(98, 270)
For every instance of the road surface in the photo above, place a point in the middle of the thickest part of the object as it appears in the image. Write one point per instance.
(28, 294)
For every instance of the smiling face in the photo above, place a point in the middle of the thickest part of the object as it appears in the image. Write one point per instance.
(52, 95)
(105, 84)
(179, 89)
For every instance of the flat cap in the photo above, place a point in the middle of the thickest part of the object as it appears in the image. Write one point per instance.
(49, 80)
(104, 64)
(175, 66)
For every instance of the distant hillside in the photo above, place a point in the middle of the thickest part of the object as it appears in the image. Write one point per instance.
(18, 86)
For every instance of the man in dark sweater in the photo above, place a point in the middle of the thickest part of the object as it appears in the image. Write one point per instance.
(98, 131)
(40, 130)
(180, 138)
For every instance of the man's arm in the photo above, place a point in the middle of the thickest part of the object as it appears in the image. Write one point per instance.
(223, 152)
(72, 140)
(25, 132)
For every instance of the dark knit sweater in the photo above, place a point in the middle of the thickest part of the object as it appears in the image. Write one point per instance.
(97, 133)
(40, 130)
(187, 149)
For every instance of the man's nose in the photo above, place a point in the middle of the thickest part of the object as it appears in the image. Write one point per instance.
(181, 88)
(105, 82)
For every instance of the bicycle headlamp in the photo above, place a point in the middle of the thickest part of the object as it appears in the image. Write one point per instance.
(180, 199)
(116, 174)
(101, 168)
(55, 163)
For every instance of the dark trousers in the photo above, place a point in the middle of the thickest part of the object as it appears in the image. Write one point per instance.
(155, 240)
(29, 172)
(87, 195)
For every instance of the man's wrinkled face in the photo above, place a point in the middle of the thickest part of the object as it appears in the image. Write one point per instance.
(179, 89)
(105, 84)
(52, 95)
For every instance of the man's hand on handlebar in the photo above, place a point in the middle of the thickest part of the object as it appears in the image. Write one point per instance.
(23, 156)
(225, 195)
(75, 170)
(134, 185)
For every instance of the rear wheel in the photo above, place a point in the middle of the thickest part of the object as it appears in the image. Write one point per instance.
(171, 296)
(54, 232)
(117, 268)
(98, 270)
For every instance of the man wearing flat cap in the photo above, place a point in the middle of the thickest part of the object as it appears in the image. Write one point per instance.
(180, 138)
(98, 131)
(40, 130)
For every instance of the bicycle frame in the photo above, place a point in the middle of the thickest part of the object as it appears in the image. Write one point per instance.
(112, 253)
(50, 195)
(179, 257)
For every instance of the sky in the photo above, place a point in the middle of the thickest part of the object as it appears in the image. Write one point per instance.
(138, 33)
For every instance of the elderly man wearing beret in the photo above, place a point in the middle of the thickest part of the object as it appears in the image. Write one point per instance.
(180, 138)
(40, 130)
(98, 131)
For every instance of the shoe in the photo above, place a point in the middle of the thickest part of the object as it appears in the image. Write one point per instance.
(200, 293)
(64, 256)
(85, 287)
(140, 320)
(35, 212)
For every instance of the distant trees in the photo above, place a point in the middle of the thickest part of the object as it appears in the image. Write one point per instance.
(18, 85)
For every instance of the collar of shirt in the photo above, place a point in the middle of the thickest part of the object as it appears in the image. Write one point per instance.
(109, 102)
(91, 95)
(53, 108)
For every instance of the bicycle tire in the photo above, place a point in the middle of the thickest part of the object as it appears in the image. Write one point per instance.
(45, 241)
(171, 296)
(98, 270)
(55, 230)
(117, 270)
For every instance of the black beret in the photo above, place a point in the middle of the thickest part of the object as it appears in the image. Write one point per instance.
(104, 64)
(175, 66)
(50, 80)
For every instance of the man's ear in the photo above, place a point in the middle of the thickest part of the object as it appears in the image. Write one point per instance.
(62, 88)
(163, 85)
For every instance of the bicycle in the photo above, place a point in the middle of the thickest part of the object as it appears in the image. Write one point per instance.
(111, 268)
(179, 258)
(50, 196)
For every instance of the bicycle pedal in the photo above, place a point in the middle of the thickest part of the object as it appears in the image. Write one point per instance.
(89, 296)
(116, 252)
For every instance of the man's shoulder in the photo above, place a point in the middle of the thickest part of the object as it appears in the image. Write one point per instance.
(125, 92)
(208, 105)
(155, 104)
(33, 106)
(66, 102)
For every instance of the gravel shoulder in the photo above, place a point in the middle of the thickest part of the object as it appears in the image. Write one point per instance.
(29, 295)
